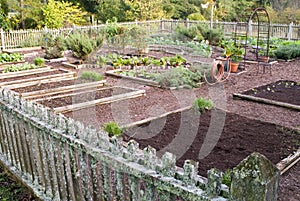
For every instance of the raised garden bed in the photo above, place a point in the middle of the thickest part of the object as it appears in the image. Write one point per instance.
(48, 85)
(49, 93)
(20, 80)
(85, 99)
(239, 138)
(162, 76)
(282, 93)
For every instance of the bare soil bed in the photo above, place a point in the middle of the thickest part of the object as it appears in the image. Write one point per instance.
(50, 85)
(239, 137)
(282, 90)
(83, 97)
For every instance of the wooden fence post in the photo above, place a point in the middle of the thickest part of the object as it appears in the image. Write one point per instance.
(250, 28)
(162, 25)
(2, 39)
(290, 32)
(187, 23)
(255, 178)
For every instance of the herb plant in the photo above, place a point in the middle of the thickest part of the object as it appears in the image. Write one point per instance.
(90, 75)
(113, 129)
(201, 104)
(39, 61)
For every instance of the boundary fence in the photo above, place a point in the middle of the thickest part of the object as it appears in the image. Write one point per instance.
(31, 38)
(61, 159)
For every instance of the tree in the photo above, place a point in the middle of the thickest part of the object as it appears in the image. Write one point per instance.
(182, 9)
(108, 9)
(58, 14)
(144, 9)
(30, 13)
(4, 24)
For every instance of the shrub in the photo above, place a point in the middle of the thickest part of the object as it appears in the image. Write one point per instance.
(39, 61)
(55, 47)
(287, 52)
(186, 34)
(82, 44)
(90, 75)
(113, 129)
(201, 104)
(213, 36)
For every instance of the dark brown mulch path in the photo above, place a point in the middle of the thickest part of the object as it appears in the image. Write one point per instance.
(283, 91)
(239, 138)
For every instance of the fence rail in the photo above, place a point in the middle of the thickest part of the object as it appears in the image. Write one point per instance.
(63, 160)
(30, 38)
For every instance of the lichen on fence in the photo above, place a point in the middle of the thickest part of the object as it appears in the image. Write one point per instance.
(61, 159)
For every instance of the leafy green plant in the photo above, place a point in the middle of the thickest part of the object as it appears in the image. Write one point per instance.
(102, 60)
(235, 52)
(113, 129)
(177, 60)
(13, 57)
(226, 179)
(39, 61)
(179, 76)
(201, 104)
(20, 67)
(90, 75)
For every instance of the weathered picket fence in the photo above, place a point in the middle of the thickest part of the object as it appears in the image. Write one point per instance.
(63, 160)
(31, 38)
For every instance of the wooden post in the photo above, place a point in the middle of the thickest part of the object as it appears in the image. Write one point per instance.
(162, 25)
(2, 39)
(187, 24)
(290, 32)
(255, 178)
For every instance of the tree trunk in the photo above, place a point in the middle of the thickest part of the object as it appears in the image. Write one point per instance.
(22, 15)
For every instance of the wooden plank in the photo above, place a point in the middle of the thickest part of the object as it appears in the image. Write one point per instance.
(137, 79)
(5, 64)
(64, 89)
(267, 101)
(26, 72)
(137, 123)
(286, 163)
(27, 84)
(66, 95)
(72, 74)
(110, 99)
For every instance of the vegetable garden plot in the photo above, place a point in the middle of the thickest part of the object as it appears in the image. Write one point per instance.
(84, 99)
(191, 138)
(50, 85)
(163, 76)
(282, 93)
(19, 79)
(50, 93)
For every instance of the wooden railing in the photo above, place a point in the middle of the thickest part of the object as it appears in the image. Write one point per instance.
(31, 38)
(60, 159)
